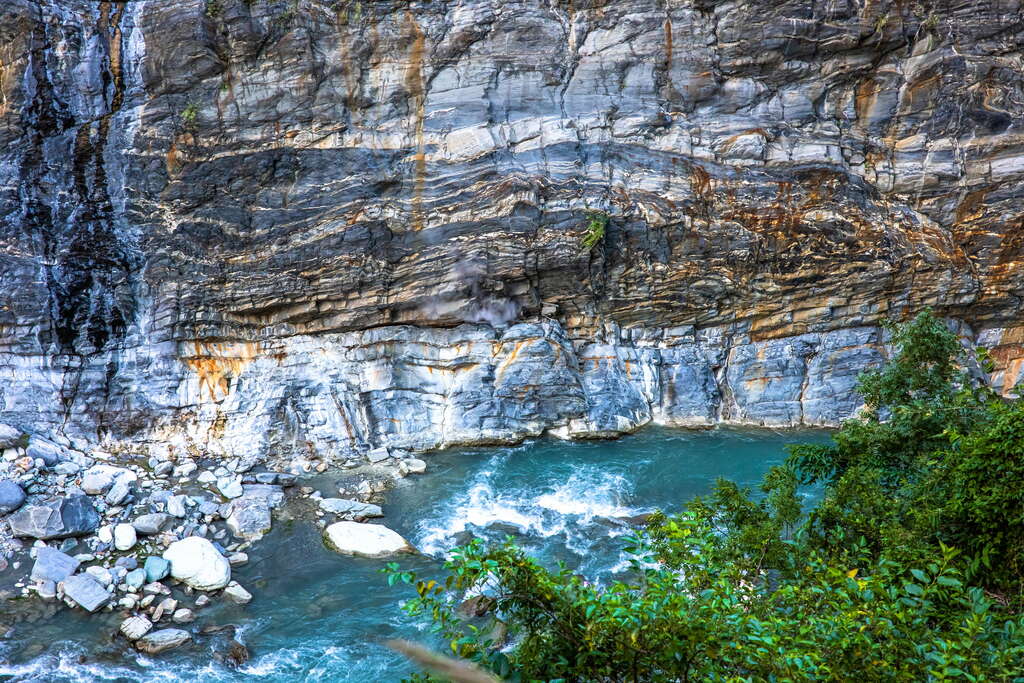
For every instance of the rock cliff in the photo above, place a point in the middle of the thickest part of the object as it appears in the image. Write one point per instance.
(266, 226)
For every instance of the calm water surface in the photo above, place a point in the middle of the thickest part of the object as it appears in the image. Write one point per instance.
(318, 616)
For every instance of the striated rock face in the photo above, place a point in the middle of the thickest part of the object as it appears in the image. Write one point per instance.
(266, 226)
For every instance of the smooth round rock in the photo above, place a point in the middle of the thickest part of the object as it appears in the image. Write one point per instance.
(365, 540)
(196, 562)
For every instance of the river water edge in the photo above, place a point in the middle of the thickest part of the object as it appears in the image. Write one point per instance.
(319, 616)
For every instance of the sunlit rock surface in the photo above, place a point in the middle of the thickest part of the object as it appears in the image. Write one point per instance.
(267, 227)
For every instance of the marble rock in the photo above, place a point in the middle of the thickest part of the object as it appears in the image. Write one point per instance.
(134, 628)
(196, 562)
(124, 537)
(365, 540)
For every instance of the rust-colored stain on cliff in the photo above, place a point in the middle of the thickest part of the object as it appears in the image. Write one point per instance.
(217, 364)
(414, 84)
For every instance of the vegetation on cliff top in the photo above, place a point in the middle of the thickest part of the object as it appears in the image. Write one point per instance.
(910, 568)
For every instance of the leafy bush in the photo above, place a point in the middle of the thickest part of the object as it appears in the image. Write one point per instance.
(909, 569)
(597, 223)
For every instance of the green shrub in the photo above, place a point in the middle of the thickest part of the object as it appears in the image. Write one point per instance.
(910, 568)
(597, 223)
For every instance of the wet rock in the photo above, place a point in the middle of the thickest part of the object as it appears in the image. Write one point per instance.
(235, 654)
(412, 466)
(249, 518)
(71, 516)
(11, 496)
(150, 524)
(344, 506)
(234, 592)
(238, 559)
(230, 487)
(156, 568)
(134, 628)
(476, 606)
(162, 640)
(124, 537)
(273, 496)
(197, 563)
(364, 540)
(47, 590)
(86, 592)
(53, 565)
(183, 616)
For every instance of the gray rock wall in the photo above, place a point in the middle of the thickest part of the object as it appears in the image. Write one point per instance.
(328, 225)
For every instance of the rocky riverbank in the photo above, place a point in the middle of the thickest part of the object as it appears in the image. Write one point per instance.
(155, 538)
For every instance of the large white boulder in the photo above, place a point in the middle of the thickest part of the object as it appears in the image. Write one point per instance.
(365, 540)
(196, 562)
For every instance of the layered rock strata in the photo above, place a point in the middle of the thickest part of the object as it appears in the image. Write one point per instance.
(326, 226)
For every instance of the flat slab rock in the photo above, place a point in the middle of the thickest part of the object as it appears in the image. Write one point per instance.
(365, 540)
(134, 628)
(53, 565)
(63, 518)
(163, 640)
(344, 506)
(86, 592)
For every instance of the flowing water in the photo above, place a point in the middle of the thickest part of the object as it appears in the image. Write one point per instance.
(318, 616)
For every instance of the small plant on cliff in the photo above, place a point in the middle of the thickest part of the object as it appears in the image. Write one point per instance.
(190, 117)
(213, 8)
(597, 222)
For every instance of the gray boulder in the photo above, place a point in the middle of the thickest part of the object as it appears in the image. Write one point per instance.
(11, 496)
(50, 453)
(86, 592)
(53, 565)
(9, 437)
(155, 642)
(63, 518)
(249, 518)
(150, 524)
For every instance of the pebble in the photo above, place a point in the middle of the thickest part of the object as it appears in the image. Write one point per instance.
(135, 578)
(183, 616)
